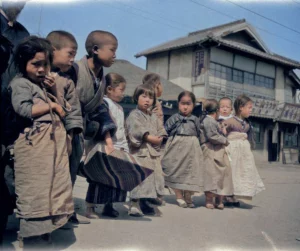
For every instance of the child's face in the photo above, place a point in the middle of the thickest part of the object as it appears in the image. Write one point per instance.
(38, 67)
(186, 106)
(225, 107)
(144, 102)
(107, 53)
(116, 94)
(159, 90)
(245, 111)
(64, 58)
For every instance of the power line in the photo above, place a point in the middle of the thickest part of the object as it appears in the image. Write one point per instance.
(145, 17)
(264, 17)
(234, 18)
(162, 17)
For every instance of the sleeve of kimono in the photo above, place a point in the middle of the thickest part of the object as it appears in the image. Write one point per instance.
(101, 115)
(171, 123)
(212, 133)
(21, 98)
(160, 128)
(74, 118)
(136, 128)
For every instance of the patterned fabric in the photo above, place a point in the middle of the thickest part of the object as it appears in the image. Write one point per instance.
(102, 194)
(119, 169)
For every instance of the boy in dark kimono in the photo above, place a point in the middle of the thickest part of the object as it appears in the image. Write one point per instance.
(101, 48)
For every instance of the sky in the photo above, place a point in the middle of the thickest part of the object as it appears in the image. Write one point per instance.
(142, 24)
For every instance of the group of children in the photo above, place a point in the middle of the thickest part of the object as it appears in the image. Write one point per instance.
(70, 106)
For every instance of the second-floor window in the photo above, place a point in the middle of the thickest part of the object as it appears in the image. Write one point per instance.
(242, 77)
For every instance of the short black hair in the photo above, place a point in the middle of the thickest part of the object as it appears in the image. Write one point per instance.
(60, 39)
(98, 38)
(113, 80)
(189, 94)
(211, 106)
(143, 89)
(27, 49)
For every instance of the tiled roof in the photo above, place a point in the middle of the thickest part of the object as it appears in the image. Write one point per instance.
(134, 75)
(217, 33)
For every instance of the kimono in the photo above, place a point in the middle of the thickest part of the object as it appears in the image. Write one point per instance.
(99, 193)
(42, 178)
(182, 162)
(139, 124)
(96, 123)
(246, 180)
(217, 174)
(67, 97)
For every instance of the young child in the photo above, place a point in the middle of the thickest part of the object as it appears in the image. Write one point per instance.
(225, 108)
(115, 87)
(217, 174)
(43, 183)
(145, 135)
(225, 104)
(246, 180)
(65, 48)
(87, 73)
(183, 160)
(152, 81)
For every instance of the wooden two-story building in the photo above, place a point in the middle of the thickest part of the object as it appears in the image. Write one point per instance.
(231, 59)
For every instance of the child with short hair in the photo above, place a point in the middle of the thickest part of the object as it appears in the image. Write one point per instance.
(87, 73)
(217, 174)
(225, 104)
(64, 47)
(145, 134)
(114, 93)
(42, 177)
(152, 80)
(183, 159)
(246, 180)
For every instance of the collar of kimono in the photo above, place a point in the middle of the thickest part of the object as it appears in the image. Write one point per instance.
(10, 23)
(99, 76)
(238, 119)
(149, 112)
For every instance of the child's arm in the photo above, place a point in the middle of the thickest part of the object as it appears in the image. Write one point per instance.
(109, 146)
(137, 129)
(73, 121)
(41, 109)
(22, 102)
(212, 133)
(171, 124)
(155, 140)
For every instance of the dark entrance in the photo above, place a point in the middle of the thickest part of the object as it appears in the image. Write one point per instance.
(272, 147)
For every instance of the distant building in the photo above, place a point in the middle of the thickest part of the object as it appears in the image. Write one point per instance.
(231, 59)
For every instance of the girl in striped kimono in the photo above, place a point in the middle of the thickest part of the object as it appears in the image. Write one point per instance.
(145, 135)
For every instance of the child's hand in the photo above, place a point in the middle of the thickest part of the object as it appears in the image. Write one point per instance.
(224, 131)
(58, 109)
(109, 149)
(49, 83)
(156, 140)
